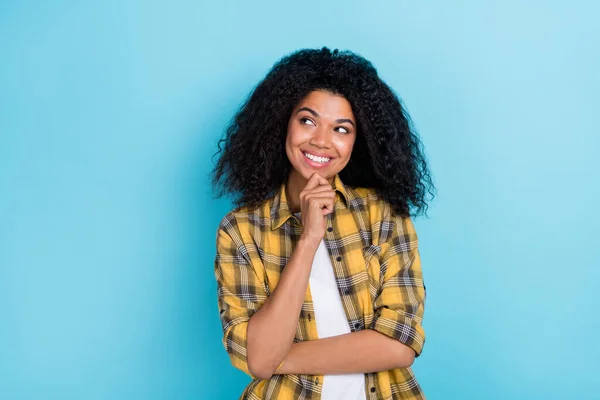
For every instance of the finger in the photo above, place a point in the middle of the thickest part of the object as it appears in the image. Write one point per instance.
(316, 198)
(326, 211)
(322, 189)
(322, 180)
(322, 202)
(327, 207)
(313, 181)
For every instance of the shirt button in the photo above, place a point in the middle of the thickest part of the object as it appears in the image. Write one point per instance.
(317, 381)
(338, 258)
(329, 229)
(347, 291)
(356, 326)
(373, 389)
(309, 317)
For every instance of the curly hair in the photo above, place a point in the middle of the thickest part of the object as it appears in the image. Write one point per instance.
(387, 154)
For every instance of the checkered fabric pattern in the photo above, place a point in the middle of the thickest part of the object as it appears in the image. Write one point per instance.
(377, 268)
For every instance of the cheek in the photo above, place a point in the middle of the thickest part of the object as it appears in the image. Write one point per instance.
(345, 146)
(295, 135)
(292, 140)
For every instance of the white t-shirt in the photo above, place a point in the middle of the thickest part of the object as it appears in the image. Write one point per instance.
(330, 318)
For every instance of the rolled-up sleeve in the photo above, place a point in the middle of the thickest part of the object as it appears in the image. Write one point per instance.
(400, 303)
(240, 292)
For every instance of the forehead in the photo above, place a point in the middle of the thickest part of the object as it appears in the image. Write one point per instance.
(327, 104)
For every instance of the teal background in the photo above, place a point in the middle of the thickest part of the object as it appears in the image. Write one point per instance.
(109, 115)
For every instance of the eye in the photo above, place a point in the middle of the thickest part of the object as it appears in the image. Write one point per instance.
(306, 121)
(343, 129)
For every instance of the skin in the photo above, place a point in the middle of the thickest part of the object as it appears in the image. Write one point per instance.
(321, 123)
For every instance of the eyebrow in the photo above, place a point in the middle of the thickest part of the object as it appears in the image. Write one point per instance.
(316, 115)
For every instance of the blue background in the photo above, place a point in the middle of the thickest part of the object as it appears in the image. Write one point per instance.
(109, 115)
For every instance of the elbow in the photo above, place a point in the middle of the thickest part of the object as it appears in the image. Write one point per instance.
(259, 366)
(408, 360)
(258, 369)
(259, 358)
(407, 357)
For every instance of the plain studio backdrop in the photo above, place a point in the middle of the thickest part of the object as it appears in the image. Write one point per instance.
(110, 113)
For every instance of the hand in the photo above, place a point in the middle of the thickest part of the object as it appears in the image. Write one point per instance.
(316, 201)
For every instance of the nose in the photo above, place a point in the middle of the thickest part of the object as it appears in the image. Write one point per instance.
(321, 137)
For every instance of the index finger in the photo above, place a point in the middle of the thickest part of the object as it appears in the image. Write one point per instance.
(314, 181)
(322, 180)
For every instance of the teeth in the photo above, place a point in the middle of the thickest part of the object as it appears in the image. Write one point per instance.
(316, 158)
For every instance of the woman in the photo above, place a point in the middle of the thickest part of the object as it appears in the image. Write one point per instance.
(320, 288)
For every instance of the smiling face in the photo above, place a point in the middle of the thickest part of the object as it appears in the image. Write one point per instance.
(321, 134)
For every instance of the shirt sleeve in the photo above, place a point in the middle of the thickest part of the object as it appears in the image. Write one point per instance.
(240, 293)
(400, 302)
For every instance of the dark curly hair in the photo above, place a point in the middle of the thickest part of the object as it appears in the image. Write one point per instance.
(387, 154)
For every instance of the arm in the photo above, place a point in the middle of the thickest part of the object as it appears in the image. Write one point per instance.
(272, 329)
(364, 351)
(258, 330)
(240, 292)
(400, 304)
(264, 326)
(395, 336)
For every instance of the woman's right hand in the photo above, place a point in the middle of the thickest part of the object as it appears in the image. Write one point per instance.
(316, 201)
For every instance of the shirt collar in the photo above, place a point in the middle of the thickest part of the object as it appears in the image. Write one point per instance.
(280, 211)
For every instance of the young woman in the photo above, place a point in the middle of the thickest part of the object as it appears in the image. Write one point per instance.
(320, 289)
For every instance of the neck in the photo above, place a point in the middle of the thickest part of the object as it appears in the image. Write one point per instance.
(294, 186)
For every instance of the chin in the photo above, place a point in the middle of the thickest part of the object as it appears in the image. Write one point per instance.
(307, 173)
(324, 175)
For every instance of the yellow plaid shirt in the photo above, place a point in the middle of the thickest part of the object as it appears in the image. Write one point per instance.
(377, 269)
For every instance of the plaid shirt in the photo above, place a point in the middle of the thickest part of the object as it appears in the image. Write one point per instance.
(377, 268)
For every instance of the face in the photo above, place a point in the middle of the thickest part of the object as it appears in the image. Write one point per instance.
(321, 134)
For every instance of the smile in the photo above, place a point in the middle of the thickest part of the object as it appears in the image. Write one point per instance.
(316, 159)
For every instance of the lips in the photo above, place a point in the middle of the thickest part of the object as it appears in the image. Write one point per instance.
(314, 163)
(314, 153)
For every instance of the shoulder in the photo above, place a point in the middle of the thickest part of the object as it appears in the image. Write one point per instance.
(240, 233)
(369, 200)
(239, 221)
(381, 213)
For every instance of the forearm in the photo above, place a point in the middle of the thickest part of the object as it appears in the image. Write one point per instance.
(358, 352)
(272, 328)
